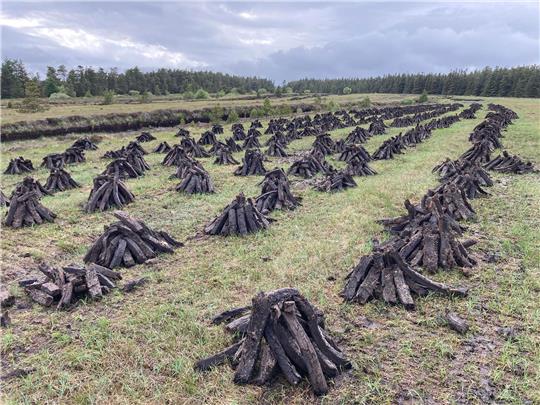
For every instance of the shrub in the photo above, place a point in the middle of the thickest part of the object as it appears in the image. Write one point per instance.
(288, 90)
(365, 102)
(267, 107)
(261, 92)
(31, 102)
(108, 97)
(307, 91)
(285, 109)
(254, 113)
(188, 95)
(220, 94)
(88, 93)
(145, 97)
(134, 92)
(182, 118)
(9, 104)
(202, 94)
(347, 90)
(423, 97)
(233, 116)
(59, 96)
(332, 106)
(406, 101)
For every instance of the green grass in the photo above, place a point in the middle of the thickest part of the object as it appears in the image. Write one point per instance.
(140, 347)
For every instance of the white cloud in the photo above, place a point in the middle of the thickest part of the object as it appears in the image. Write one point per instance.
(247, 15)
(24, 22)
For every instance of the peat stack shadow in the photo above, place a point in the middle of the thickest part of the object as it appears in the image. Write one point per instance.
(25, 208)
(65, 285)
(240, 217)
(252, 164)
(276, 193)
(384, 275)
(19, 165)
(128, 242)
(60, 180)
(108, 192)
(282, 334)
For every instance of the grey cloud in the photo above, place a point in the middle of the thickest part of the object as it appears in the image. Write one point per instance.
(282, 41)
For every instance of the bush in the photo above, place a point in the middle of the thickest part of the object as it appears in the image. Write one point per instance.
(9, 104)
(423, 97)
(216, 114)
(288, 90)
(406, 101)
(347, 90)
(202, 95)
(108, 97)
(233, 116)
(145, 97)
(254, 113)
(59, 96)
(285, 109)
(134, 92)
(31, 102)
(220, 94)
(267, 107)
(366, 102)
(332, 106)
(307, 91)
(261, 92)
(188, 95)
(88, 94)
(182, 118)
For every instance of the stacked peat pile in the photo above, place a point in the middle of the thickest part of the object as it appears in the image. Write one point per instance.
(53, 160)
(357, 165)
(276, 193)
(358, 135)
(108, 192)
(28, 183)
(276, 149)
(196, 180)
(225, 157)
(121, 168)
(136, 160)
(324, 144)
(208, 138)
(84, 143)
(377, 127)
(63, 286)
(4, 200)
(60, 180)
(240, 217)
(136, 146)
(353, 150)
(429, 239)
(252, 164)
(175, 156)
(127, 242)
(232, 145)
(193, 148)
(25, 208)
(340, 145)
(468, 113)
(182, 132)
(163, 147)
(507, 163)
(74, 155)
(19, 165)
(309, 165)
(416, 135)
(145, 137)
(255, 124)
(336, 181)
(282, 333)
(115, 154)
(238, 132)
(384, 275)
(389, 148)
(217, 129)
(251, 142)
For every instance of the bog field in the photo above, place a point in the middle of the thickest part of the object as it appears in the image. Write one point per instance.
(440, 305)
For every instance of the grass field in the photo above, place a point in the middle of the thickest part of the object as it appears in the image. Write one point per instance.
(140, 347)
(9, 115)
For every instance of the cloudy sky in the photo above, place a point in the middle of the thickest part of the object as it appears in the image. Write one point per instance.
(278, 40)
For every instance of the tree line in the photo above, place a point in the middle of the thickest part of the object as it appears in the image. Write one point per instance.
(522, 81)
(87, 81)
